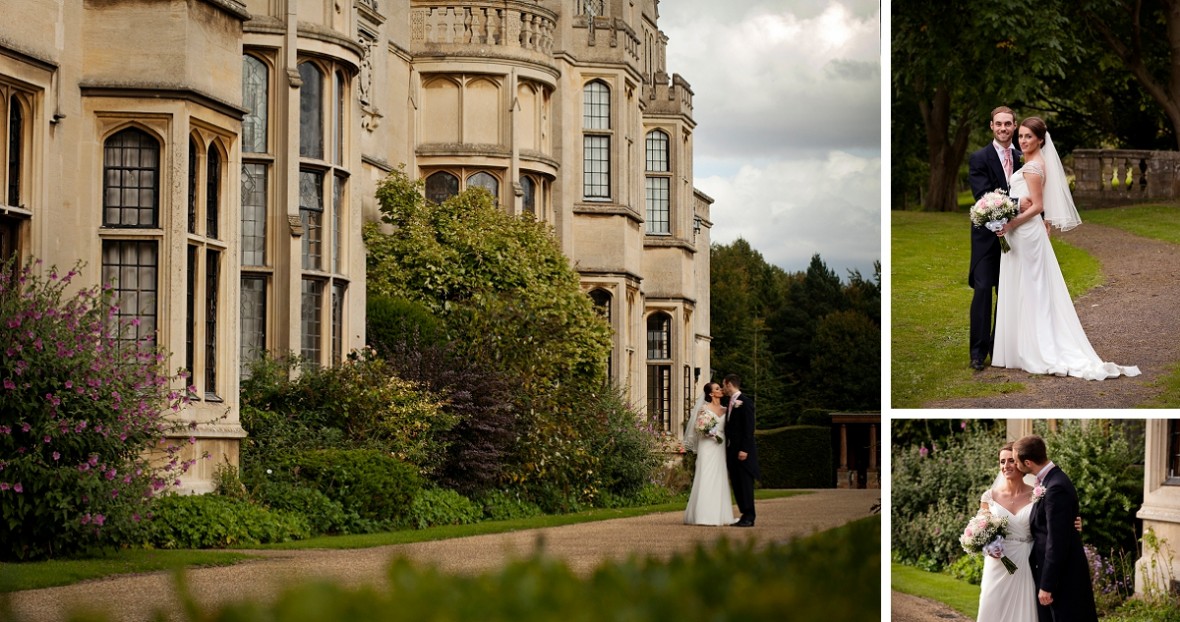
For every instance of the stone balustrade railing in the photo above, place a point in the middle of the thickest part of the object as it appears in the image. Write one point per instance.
(510, 24)
(1109, 177)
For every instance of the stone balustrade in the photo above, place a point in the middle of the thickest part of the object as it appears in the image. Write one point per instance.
(1109, 177)
(506, 24)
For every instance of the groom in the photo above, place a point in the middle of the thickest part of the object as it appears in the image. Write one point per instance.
(741, 455)
(1058, 562)
(989, 169)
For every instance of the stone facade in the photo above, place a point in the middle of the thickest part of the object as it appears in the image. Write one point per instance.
(217, 158)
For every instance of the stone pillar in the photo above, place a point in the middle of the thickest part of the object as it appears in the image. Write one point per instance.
(842, 479)
(873, 476)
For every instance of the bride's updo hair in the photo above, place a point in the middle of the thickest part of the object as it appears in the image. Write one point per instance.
(1008, 447)
(1037, 126)
(709, 391)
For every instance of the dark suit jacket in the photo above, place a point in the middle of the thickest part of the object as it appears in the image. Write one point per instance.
(985, 173)
(1059, 564)
(739, 430)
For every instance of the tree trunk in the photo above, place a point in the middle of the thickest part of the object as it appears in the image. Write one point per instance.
(946, 151)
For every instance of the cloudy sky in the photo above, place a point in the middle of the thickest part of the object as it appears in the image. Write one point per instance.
(788, 110)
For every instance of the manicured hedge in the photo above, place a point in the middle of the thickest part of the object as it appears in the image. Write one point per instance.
(213, 521)
(796, 457)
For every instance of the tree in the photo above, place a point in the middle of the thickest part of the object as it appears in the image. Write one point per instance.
(1145, 37)
(957, 61)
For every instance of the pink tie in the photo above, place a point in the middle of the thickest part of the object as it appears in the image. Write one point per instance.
(1007, 164)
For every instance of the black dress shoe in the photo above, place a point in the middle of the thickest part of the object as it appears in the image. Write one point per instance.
(977, 364)
(743, 523)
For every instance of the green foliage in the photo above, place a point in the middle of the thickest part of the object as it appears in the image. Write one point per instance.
(505, 505)
(500, 283)
(967, 568)
(1104, 467)
(440, 506)
(726, 581)
(936, 489)
(390, 320)
(323, 515)
(80, 410)
(626, 446)
(213, 521)
(360, 404)
(375, 485)
(796, 457)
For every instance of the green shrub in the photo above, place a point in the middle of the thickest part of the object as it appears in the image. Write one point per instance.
(440, 506)
(1105, 469)
(374, 485)
(390, 320)
(213, 521)
(83, 415)
(796, 457)
(626, 444)
(504, 505)
(967, 568)
(323, 515)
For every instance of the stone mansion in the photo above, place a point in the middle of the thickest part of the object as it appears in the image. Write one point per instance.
(214, 160)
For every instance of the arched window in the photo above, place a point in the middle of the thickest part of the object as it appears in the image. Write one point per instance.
(16, 118)
(338, 104)
(528, 201)
(213, 192)
(255, 96)
(658, 184)
(602, 300)
(441, 186)
(311, 111)
(487, 181)
(131, 174)
(596, 140)
(659, 370)
(193, 148)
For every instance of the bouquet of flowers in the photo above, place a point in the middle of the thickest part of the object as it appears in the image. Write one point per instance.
(992, 211)
(985, 534)
(711, 425)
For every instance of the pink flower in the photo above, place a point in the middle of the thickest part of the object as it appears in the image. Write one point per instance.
(17, 488)
(99, 519)
(922, 451)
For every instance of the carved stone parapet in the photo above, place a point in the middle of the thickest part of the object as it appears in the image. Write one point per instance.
(1109, 177)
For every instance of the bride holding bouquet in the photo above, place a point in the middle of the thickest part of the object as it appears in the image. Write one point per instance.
(709, 502)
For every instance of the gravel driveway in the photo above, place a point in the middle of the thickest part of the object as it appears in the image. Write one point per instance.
(1131, 319)
(583, 547)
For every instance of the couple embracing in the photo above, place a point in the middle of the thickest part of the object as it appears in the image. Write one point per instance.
(1051, 582)
(1036, 327)
(721, 432)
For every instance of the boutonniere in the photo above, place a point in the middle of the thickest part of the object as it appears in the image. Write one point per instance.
(737, 403)
(1038, 492)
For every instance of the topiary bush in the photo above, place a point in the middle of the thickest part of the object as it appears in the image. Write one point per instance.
(214, 521)
(439, 506)
(81, 412)
(796, 457)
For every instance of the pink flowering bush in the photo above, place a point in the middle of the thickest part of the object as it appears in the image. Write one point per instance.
(81, 413)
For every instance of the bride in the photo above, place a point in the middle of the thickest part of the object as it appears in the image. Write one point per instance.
(1007, 597)
(1037, 328)
(709, 502)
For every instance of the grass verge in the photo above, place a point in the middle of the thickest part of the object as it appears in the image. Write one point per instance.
(931, 254)
(958, 595)
(34, 575)
(1155, 221)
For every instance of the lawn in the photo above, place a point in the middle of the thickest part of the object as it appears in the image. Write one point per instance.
(931, 254)
(959, 595)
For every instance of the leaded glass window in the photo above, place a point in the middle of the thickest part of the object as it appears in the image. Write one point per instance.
(311, 213)
(441, 186)
(15, 148)
(253, 320)
(131, 170)
(311, 319)
(657, 151)
(254, 206)
(529, 200)
(212, 289)
(255, 99)
(192, 185)
(596, 106)
(338, 290)
(131, 268)
(596, 167)
(311, 111)
(658, 204)
(487, 181)
(659, 337)
(213, 193)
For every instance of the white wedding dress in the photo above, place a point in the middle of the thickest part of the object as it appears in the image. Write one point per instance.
(1037, 327)
(709, 502)
(1007, 597)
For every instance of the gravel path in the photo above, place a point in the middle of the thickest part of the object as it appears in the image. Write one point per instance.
(1131, 319)
(583, 547)
(907, 608)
